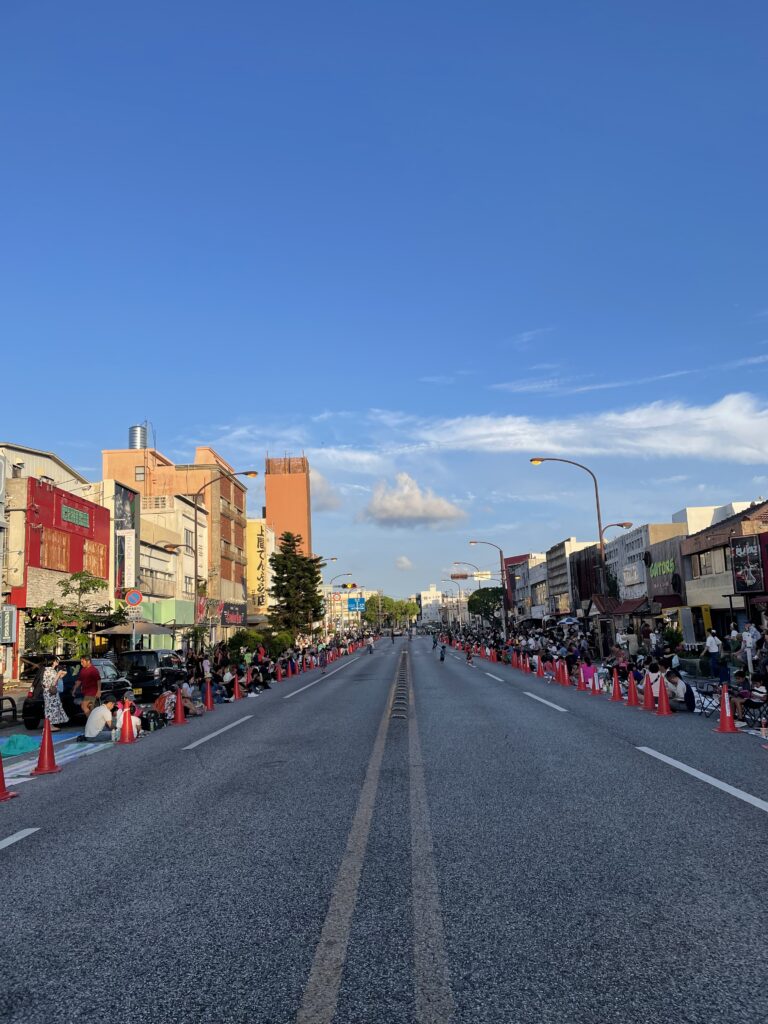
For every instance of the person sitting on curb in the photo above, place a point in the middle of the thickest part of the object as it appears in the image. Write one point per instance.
(681, 695)
(750, 696)
(98, 726)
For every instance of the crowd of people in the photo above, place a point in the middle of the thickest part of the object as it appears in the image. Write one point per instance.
(645, 658)
(219, 668)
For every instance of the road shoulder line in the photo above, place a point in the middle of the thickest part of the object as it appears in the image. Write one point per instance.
(740, 794)
(287, 696)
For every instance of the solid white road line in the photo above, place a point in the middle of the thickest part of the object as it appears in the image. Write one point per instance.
(547, 702)
(218, 732)
(17, 837)
(761, 805)
(497, 678)
(287, 696)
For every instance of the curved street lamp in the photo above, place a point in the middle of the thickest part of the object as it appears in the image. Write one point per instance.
(458, 603)
(503, 584)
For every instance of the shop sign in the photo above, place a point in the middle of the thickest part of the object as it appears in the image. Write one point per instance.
(75, 516)
(747, 565)
(631, 574)
(664, 568)
(232, 614)
(7, 624)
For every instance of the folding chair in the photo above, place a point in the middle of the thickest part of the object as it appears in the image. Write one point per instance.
(707, 694)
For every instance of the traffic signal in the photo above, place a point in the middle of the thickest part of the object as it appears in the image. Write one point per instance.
(349, 586)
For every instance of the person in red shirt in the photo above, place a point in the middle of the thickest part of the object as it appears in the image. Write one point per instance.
(88, 685)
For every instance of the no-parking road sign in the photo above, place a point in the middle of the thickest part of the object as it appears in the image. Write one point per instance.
(133, 598)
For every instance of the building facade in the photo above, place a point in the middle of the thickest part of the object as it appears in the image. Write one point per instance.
(559, 582)
(625, 556)
(210, 482)
(288, 505)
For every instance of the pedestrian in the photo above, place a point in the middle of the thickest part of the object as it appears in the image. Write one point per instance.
(442, 652)
(748, 647)
(54, 712)
(88, 684)
(713, 645)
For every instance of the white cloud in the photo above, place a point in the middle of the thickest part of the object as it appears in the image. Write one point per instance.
(403, 563)
(325, 497)
(524, 339)
(354, 460)
(407, 504)
(733, 429)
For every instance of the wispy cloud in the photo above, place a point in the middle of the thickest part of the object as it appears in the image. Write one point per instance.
(325, 497)
(403, 563)
(525, 339)
(532, 385)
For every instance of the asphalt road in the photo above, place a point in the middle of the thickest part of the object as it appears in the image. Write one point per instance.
(480, 856)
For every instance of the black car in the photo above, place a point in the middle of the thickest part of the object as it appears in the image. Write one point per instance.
(150, 672)
(32, 710)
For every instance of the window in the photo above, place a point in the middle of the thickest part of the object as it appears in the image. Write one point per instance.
(95, 558)
(188, 584)
(718, 560)
(54, 550)
(138, 474)
(727, 558)
(188, 538)
(705, 563)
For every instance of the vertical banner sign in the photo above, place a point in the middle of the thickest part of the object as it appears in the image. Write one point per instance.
(747, 565)
(125, 519)
(126, 558)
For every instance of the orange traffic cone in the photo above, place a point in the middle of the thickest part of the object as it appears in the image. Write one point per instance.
(208, 698)
(5, 793)
(494, 655)
(726, 713)
(649, 701)
(237, 693)
(127, 735)
(633, 701)
(178, 710)
(663, 709)
(290, 668)
(540, 667)
(46, 762)
(596, 687)
(581, 685)
(279, 672)
(616, 692)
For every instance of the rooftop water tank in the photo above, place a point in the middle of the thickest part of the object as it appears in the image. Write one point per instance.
(137, 436)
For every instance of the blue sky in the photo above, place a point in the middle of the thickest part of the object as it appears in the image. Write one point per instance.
(419, 241)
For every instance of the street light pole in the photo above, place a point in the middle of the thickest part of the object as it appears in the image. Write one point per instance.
(503, 584)
(458, 605)
(222, 476)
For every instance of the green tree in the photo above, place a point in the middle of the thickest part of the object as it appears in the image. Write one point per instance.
(296, 582)
(485, 602)
(379, 610)
(68, 623)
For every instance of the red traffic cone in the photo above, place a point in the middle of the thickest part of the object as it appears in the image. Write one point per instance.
(208, 697)
(127, 735)
(279, 672)
(248, 676)
(633, 701)
(237, 693)
(540, 667)
(566, 677)
(649, 701)
(46, 762)
(5, 793)
(663, 709)
(178, 710)
(581, 685)
(596, 689)
(726, 713)
(616, 692)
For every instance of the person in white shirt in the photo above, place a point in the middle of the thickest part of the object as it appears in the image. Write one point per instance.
(713, 646)
(98, 726)
(748, 647)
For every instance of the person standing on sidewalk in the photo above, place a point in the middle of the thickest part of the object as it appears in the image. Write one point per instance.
(88, 684)
(713, 646)
(53, 709)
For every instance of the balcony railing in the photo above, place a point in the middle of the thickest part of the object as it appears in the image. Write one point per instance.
(155, 585)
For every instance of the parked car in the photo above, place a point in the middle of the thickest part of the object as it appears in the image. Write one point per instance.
(150, 672)
(32, 710)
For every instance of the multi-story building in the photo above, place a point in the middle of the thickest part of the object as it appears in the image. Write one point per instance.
(21, 463)
(538, 585)
(430, 601)
(559, 581)
(288, 506)
(521, 590)
(259, 547)
(52, 533)
(625, 556)
(713, 598)
(210, 482)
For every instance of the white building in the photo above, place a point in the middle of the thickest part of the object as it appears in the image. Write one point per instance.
(430, 601)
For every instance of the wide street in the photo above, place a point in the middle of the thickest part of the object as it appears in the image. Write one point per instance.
(474, 855)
